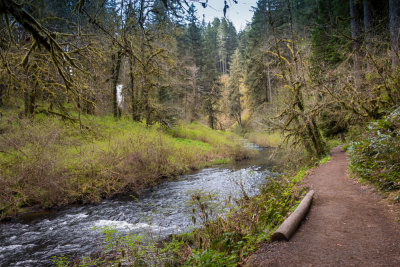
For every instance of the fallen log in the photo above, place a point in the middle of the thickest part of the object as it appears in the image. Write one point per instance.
(289, 226)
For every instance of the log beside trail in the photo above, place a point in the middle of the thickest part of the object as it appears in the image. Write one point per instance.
(290, 225)
(347, 225)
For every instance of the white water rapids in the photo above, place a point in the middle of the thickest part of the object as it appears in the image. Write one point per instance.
(162, 210)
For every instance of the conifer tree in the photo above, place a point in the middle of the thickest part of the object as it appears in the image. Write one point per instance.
(235, 82)
(210, 87)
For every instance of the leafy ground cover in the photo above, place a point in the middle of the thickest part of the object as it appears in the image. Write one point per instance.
(375, 154)
(48, 162)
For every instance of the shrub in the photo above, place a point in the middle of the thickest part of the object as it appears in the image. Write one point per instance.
(375, 154)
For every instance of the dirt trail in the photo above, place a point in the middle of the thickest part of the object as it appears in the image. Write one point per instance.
(347, 226)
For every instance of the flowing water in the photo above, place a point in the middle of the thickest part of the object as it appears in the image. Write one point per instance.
(163, 210)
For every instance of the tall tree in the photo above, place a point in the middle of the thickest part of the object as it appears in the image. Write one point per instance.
(258, 60)
(235, 81)
(210, 87)
(368, 27)
(356, 31)
(394, 25)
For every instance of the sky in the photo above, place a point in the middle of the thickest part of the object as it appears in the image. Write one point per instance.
(239, 13)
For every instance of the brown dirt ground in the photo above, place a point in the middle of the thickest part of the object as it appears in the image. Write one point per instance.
(347, 225)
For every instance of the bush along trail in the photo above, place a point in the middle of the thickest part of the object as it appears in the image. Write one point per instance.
(346, 226)
(45, 162)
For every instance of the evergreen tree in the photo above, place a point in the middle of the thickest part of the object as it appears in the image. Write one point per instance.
(258, 77)
(222, 46)
(194, 37)
(235, 82)
(327, 46)
(210, 88)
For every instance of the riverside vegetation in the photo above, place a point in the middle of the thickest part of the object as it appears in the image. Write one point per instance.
(229, 232)
(48, 162)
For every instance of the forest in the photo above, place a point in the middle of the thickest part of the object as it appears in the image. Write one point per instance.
(100, 98)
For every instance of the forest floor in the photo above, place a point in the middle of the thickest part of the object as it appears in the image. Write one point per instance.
(348, 225)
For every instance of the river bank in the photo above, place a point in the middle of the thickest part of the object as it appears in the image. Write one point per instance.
(47, 163)
(74, 233)
(226, 235)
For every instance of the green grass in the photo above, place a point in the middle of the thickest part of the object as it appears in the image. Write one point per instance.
(48, 162)
(324, 160)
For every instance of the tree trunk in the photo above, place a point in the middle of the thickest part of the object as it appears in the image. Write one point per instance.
(29, 101)
(239, 110)
(305, 138)
(311, 127)
(116, 65)
(134, 94)
(26, 102)
(394, 25)
(32, 101)
(146, 97)
(355, 15)
(269, 84)
(195, 101)
(329, 6)
(318, 137)
(2, 89)
(368, 24)
(210, 112)
(90, 106)
(211, 118)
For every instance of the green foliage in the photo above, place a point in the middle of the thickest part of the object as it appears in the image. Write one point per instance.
(131, 250)
(327, 45)
(210, 258)
(374, 155)
(325, 160)
(60, 261)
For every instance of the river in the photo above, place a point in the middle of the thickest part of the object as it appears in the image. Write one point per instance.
(163, 210)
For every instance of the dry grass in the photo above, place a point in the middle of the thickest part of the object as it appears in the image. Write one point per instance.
(265, 139)
(49, 163)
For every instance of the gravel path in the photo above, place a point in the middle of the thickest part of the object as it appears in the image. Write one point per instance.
(348, 225)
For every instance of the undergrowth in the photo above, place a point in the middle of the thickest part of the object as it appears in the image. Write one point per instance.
(375, 154)
(48, 162)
